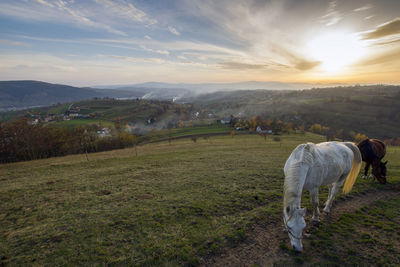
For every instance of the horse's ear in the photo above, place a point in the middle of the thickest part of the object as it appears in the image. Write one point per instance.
(385, 162)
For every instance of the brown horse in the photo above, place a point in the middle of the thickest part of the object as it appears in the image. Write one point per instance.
(372, 152)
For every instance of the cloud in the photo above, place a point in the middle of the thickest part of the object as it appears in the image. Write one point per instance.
(9, 42)
(81, 18)
(241, 66)
(332, 16)
(127, 10)
(383, 58)
(158, 51)
(306, 65)
(154, 60)
(363, 8)
(393, 41)
(137, 59)
(43, 2)
(389, 28)
(173, 30)
(57, 11)
(293, 59)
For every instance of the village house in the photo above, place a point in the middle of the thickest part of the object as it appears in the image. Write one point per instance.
(104, 132)
(263, 130)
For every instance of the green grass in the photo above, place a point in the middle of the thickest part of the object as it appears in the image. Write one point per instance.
(368, 237)
(216, 128)
(170, 205)
(191, 130)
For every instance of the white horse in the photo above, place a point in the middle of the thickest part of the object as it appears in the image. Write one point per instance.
(309, 167)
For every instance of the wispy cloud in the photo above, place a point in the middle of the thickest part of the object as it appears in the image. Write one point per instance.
(332, 16)
(383, 58)
(44, 2)
(306, 65)
(99, 14)
(137, 59)
(9, 42)
(173, 30)
(363, 8)
(241, 66)
(294, 60)
(389, 28)
(158, 51)
(127, 10)
(56, 11)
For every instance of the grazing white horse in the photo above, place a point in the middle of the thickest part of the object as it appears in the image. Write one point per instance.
(309, 167)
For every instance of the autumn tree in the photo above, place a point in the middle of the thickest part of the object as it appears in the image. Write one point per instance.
(359, 137)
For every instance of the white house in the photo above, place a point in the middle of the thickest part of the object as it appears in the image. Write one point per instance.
(263, 130)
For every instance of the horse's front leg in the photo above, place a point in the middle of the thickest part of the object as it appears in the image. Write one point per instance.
(333, 189)
(314, 201)
(367, 164)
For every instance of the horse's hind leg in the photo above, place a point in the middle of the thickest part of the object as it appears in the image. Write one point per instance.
(333, 189)
(314, 201)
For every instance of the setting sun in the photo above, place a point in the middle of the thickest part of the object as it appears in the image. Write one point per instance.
(336, 51)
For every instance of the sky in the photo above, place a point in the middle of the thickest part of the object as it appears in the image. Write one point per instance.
(92, 42)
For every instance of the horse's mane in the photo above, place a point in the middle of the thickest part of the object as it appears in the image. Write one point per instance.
(366, 150)
(299, 162)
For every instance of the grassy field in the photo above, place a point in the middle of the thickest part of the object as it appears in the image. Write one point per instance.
(170, 205)
(189, 131)
(368, 237)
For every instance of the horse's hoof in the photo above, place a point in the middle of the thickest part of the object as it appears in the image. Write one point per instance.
(307, 235)
(364, 177)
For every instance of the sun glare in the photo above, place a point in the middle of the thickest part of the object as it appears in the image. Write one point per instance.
(336, 51)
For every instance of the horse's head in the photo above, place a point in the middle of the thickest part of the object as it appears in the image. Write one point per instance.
(295, 223)
(379, 171)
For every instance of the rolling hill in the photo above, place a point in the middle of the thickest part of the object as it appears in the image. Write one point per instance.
(26, 94)
(373, 110)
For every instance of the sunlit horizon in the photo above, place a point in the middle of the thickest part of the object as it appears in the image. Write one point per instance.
(94, 42)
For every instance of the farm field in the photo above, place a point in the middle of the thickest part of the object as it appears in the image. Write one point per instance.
(175, 204)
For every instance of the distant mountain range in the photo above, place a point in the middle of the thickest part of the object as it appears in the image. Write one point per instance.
(185, 91)
(212, 87)
(26, 94)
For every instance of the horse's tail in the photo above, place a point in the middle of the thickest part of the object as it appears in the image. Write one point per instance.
(355, 167)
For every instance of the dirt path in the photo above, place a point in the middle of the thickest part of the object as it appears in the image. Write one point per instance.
(261, 247)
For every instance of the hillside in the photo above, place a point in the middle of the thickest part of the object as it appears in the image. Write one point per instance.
(373, 110)
(370, 110)
(26, 94)
(178, 203)
(141, 115)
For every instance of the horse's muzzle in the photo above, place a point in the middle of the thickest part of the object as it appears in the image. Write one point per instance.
(297, 249)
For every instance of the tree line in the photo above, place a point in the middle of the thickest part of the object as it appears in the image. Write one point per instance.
(20, 141)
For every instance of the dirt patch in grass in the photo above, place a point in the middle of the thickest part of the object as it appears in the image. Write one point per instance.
(268, 244)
